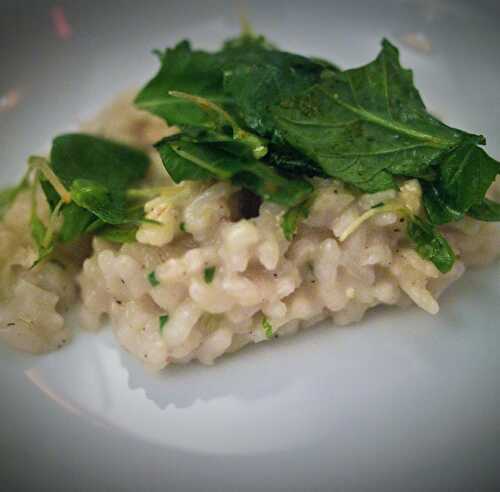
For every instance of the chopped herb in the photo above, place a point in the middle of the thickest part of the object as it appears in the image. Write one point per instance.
(153, 280)
(294, 215)
(268, 327)
(182, 226)
(163, 321)
(381, 204)
(209, 274)
(118, 234)
(431, 245)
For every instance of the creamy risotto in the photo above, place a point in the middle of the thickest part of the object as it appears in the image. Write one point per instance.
(240, 196)
(214, 279)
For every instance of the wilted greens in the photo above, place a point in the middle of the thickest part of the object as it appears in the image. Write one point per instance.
(268, 121)
(85, 181)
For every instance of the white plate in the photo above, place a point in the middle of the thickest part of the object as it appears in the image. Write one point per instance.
(403, 401)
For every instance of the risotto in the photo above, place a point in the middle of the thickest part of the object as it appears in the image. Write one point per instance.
(209, 268)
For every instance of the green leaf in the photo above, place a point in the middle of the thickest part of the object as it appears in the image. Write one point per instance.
(465, 176)
(118, 234)
(487, 210)
(108, 206)
(188, 161)
(268, 328)
(292, 162)
(222, 120)
(209, 274)
(292, 218)
(76, 222)
(438, 211)
(163, 320)
(258, 82)
(42, 237)
(111, 164)
(365, 125)
(193, 72)
(430, 244)
(39, 233)
(153, 281)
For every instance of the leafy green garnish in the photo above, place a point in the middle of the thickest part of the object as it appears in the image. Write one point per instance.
(118, 234)
(366, 125)
(292, 218)
(261, 81)
(182, 226)
(163, 320)
(438, 211)
(86, 184)
(209, 274)
(430, 244)
(465, 176)
(184, 160)
(222, 120)
(185, 70)
(42, 235)
(268, 121)
(487, 210)
(152, 279)
(268, 327)
(77, 156)
(293, 163)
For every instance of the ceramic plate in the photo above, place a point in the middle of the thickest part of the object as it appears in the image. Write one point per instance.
(402, 401)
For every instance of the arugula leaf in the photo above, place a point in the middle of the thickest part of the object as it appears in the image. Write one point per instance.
(188, 161)
(221, 120)
(193, 72)
(487, 210)
(121, 234)
(76, 222)
(42, 235)
(438, 211)
(258, 82)
(108, 206)
(367, 124)
(430, 244)
(38, 233)
(465, 176)
(97, 172)
(292, 162)
(292, 218)
(111, 164)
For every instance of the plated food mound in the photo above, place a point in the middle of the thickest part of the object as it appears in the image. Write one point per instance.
(238, 197)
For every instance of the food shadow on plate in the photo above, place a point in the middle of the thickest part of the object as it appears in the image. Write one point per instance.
(278, 364)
